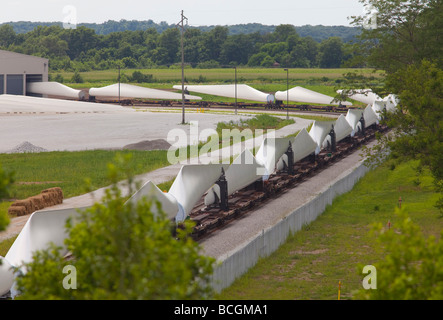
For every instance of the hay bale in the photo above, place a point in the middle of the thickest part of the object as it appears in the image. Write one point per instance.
(56, 193)
(37, 202)
(47, 198)
(26, 203)
(17, 211)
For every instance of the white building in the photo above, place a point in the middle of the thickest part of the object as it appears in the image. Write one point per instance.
(17, 70)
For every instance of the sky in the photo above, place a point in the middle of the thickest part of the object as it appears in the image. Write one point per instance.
(198, 12)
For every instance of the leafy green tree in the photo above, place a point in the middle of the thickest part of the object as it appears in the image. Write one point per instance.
(193, 45)
(6, 179)
(413, 266)
(121, 250)
(267, 62)
(139, 77)
(77, 78)
(59, 78)
(169, 40)
(331, 53)
(79, 40)
(7, 36)
(213, 41)
(236, 50)
(283, 32)
(298, 56)
(406, 44)
(146, 44)
(418, 124)
(403, 32)
(54, 46)
(257, 59)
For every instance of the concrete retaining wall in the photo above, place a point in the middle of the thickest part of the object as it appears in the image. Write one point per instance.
(237, 262)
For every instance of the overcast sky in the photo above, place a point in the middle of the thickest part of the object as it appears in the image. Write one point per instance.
(198, 12)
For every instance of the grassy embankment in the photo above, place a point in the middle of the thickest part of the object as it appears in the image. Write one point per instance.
(313, 261)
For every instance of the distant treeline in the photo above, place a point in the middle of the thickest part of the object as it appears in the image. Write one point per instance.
(318, 33)
(145, 44)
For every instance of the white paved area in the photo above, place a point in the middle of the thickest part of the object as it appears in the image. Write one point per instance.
(74, 126)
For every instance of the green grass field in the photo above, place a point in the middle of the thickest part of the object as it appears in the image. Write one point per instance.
(68, 170)
(313, 261)
(257, 75)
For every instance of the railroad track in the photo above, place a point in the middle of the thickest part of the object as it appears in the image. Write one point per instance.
(333, 110)
(211, 218)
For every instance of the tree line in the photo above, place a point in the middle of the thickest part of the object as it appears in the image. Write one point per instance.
(82, 49)
(318, 32)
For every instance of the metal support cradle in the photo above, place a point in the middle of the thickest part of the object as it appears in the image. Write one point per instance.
(223, 184)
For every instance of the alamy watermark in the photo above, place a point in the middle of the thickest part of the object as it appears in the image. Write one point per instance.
(214, 148)
(69, 17)
(370, 281)
(70, 281)
(370, 18)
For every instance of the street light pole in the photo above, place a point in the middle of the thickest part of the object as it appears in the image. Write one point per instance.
(118, 83)
(235, 90)
(287, 94)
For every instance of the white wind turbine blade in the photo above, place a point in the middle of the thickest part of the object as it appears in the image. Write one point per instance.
(228, 90)
(378, 106)
(6, 276)
(270, 152)
(319, 131)
(243, 171)
(300, 94)
(191, 183)
(13, 103)
(363, 95)
(353, 117)
(54, 89)
(342, 129)
(150, 191)
(369, 116)
(131, 91)
(42, 228)
(302, 146)
(390, 103)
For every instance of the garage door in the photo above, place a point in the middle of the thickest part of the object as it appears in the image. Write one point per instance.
(2, 84)
(14, 84)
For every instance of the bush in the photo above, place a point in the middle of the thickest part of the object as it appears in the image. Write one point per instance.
(139, 77)
(59, 78)
(77, 78)
(211, 64)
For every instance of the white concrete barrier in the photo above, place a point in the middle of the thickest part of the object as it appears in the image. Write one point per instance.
(237, 262)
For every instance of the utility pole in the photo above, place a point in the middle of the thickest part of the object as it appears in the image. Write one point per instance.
(182, 27)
